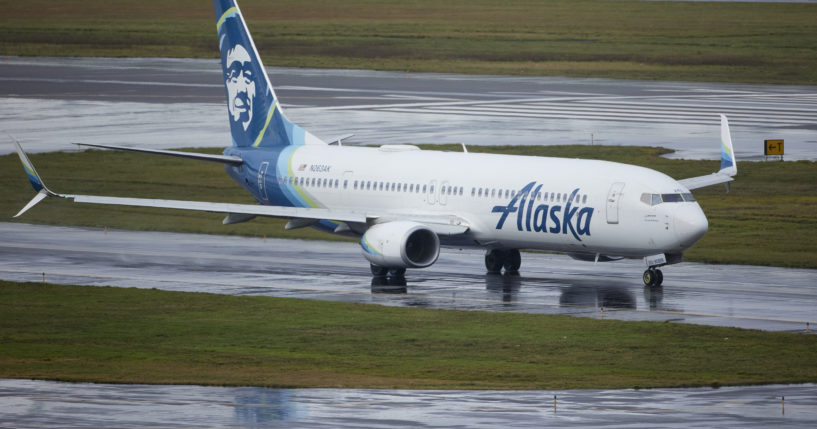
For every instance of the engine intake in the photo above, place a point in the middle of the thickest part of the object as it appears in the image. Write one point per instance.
(400, 244)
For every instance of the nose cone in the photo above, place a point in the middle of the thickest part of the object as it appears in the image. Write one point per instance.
(690, 224)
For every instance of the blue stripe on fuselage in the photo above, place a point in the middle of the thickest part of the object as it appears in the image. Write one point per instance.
(272, 192)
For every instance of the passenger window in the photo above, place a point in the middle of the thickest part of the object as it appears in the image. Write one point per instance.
(473, 191)
(355, 184)
(345, 183)
(584, 199)
(425, 187)
(480, 192)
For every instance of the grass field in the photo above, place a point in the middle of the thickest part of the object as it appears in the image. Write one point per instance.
(769, 217)
(119, 335)
(693, 41)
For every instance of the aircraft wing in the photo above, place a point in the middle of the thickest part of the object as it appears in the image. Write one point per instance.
(729, 165)
(223, 159)
(708, 180)
(442, 225)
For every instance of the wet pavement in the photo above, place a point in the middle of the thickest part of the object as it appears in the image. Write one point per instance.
(767, 298)
(43, 404)
(47, 103)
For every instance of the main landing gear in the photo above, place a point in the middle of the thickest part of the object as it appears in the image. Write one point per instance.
(653, 277)
(496, 259)
(379, 271)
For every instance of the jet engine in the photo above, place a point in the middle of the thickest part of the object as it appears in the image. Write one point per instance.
(400, 244)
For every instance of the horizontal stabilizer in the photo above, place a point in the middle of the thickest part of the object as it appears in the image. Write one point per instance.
(223, 159)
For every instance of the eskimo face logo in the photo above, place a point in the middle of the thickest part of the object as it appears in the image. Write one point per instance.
(240, 83)
(545, 218)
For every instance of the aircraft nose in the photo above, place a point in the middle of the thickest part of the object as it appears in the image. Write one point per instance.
(690, 225)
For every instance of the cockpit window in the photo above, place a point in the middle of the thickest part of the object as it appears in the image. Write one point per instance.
(656, 199)
(672, 198)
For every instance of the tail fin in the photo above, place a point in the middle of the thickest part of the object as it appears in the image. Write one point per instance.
(256, 118)
(728, 163)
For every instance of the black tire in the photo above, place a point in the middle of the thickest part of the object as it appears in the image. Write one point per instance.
(397, 272)
(659, 277)
(513, 261)
(494, 259)
(379, 271)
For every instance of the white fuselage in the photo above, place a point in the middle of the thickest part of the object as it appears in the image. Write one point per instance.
(566, 205)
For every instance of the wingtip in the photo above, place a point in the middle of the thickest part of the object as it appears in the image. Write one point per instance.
(729, 163)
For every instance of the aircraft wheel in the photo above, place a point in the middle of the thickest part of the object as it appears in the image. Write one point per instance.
(397, 272)
(513, 261)
(494, 259)
(649, 278)
(653, 277)
(379, 271)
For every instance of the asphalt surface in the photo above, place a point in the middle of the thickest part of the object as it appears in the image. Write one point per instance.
(767, 298)
(42, 404)
(47, 103)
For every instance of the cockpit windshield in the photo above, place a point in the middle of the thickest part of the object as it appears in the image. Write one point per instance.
(655, 199)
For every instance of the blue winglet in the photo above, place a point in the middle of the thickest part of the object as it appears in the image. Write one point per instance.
(728, 164)
(34, 178)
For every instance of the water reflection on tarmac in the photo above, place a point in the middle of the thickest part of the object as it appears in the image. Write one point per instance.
(765, 298)
(43, 404)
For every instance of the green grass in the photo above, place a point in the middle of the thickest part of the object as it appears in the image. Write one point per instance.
(768, 218)
(119, 335)
(694, 41)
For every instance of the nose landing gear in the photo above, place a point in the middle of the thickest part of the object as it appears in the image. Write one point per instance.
(653, 277)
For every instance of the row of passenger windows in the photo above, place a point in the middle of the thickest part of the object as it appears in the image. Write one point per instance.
(656, 199)
(417, 188)
(540, 196)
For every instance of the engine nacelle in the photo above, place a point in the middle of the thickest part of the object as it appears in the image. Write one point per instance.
(400, 244)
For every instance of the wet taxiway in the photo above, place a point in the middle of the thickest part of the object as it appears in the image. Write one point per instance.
(765, 298)
(50, 102)
(42, 404)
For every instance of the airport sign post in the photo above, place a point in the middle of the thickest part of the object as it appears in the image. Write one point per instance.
(773, 148)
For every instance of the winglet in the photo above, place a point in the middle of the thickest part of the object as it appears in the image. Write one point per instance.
(728, 163)
(34, 178)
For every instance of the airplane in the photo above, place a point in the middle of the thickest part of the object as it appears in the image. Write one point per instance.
(404, 203)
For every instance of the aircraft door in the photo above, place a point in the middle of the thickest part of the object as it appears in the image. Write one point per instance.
(346, 186)
(443, 192)
(262, 180)
(613, 198)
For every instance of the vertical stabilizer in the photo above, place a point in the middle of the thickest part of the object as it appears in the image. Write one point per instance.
(255, 115)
